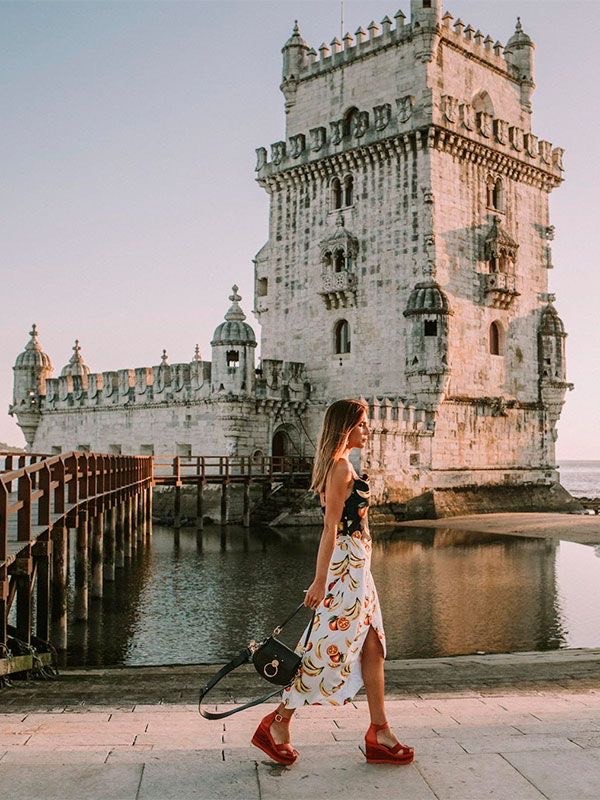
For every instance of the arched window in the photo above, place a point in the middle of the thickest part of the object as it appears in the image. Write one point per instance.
(336, 194)
(338, 261)
(498, 195)
(496, 339)
(349, 120)
(233, 359)
(327, 260)
(348, 190)
(342, 337)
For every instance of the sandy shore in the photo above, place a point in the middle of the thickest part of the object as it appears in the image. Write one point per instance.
(572, 527)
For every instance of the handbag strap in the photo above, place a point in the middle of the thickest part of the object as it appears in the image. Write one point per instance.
(243, 657)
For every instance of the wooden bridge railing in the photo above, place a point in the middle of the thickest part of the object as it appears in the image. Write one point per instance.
(40, 497)
(179, 470)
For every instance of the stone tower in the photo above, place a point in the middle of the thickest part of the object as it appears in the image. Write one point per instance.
(32, 368)
(408, 254)
(233, 345)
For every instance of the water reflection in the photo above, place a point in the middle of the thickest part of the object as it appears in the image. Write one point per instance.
(200, 597)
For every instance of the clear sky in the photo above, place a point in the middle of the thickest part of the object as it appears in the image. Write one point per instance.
(129, 206)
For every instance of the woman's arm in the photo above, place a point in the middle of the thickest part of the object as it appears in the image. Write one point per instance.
(335, 496)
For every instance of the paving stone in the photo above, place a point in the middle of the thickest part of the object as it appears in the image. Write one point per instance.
(58, 756)
(515, 744)
(475, 777)
(587, 739)
(43, 741)
(225, 781)
(475, 731)
(151, 755)
(8, 739)
(561, 776)
(348, 775)
(71, 782)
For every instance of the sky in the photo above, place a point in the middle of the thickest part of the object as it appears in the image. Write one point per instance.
(129, 205)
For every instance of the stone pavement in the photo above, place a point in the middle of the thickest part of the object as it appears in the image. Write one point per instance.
(508, 745)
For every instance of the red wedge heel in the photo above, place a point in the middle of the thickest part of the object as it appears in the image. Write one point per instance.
(281, 753)
(377, 753)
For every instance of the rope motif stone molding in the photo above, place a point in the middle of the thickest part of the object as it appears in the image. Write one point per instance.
(430, 137)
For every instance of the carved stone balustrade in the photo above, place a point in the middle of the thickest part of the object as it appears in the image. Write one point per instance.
(500, 289)
(338, 289)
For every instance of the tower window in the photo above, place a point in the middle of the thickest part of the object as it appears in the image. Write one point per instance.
(495, 194)
(348, 190)
(426, 3)
(496, 339)
(336, 194)
(262, 287)
(338, 261)
(430, 327)
(233, 359)
(342, 337)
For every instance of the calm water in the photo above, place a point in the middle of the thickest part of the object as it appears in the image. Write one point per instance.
(442, 593)
(581, 478)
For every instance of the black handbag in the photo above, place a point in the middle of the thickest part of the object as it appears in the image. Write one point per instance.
(273, 660)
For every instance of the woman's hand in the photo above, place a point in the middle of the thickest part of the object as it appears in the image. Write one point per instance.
(315, 593)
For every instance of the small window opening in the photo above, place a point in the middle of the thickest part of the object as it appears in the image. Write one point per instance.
(336, 193)
(342, 337)
(233, 359)
(349, 120)
(431, 327)
(498, 196)
(115, 449)
(348, 190)
(327, 260)
(426, 3)
(338, 261)
(495, 339)
(262, 287)
(184, 450)
(146, 449)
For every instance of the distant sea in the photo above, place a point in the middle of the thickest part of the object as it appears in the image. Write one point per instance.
(581, 478)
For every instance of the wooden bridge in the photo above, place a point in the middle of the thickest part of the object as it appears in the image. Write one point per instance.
(108, 500)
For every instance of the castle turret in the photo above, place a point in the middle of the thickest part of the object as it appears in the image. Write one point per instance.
(519, 53)
(427, 366)
(76, 366)
(295, 58)
(32, 368)
(425, 19)
(233, 346)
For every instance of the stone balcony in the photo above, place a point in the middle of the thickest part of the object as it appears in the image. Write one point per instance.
(338, 289)
(499, 289)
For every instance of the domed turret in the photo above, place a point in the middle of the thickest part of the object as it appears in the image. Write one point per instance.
(551, 324)
(233, 346)
(427, 298)
(519, 52)
(76, 366)
(32, 368)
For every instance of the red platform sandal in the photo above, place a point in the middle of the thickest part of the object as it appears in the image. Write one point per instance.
(281, 753)
(377, 753)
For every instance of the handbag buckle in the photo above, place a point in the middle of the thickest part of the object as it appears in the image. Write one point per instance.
(273, 666)
(253, 646)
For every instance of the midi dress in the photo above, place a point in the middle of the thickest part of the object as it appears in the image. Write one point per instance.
(330, 671)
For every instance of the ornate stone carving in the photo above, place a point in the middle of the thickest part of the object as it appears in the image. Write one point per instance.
(467, 116)
(261, 158)
(515, 135)
(501, 131)
(360, 123)
(545, 150)
(484, 124)
(297, 145)
(531, 145)
(337, 130)
(450, 108)
(318, 137)
(557, 157)
(277, 152)
(382, 115)
(404, 107)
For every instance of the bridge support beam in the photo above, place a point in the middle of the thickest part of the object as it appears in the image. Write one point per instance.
(81, 567)
(139, 516)
(119, 532)
(149, 512)
(224, 502)
(109, 544)
(200, 506)
(42, 551)
(97, 553)
(127, 527)
(60, 565)
(246, 508)
(177, 508)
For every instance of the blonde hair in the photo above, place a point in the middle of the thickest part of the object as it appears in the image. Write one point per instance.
(340, 418)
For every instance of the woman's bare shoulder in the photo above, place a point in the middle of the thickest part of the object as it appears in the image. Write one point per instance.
(341, 470)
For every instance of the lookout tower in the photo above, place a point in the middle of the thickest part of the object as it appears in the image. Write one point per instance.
(407, 260)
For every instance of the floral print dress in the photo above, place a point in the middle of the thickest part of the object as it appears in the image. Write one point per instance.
(331, 670)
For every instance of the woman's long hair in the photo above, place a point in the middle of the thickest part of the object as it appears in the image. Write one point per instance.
(340, 418)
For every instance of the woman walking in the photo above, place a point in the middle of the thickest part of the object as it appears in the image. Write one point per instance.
(346, 648)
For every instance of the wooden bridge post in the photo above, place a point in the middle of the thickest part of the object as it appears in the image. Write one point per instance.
(109, 544)
(246, 510)
(139, 516)
(97, 553)
(132, 524)
(59, 585)
(127, 527)
(81, 567)
(148, 508)
(200, 505)
(119, 532)
(224, 502)
(42, 549)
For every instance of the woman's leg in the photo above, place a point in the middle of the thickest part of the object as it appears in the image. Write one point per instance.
(373, 677)
(280, 731)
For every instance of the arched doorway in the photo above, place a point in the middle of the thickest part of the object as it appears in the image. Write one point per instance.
(280, 448)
